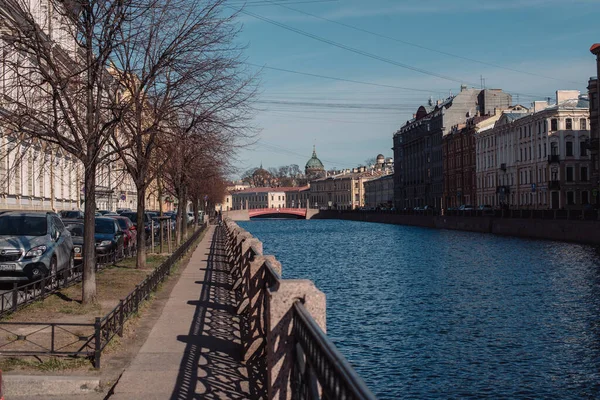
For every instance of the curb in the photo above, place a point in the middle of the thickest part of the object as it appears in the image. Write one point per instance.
(38, 385)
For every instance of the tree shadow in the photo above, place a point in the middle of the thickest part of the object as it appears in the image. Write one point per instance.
(212, 366)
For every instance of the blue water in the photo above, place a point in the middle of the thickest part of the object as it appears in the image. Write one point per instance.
(434, 314)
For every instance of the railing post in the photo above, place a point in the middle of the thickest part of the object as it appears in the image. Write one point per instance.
(15, 296)
(121, 318)
(280, 341)
(43, 288)
(97, 342)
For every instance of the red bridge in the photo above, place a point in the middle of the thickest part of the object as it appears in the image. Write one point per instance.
(278, 212)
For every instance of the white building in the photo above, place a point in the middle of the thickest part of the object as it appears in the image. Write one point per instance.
(538, 158)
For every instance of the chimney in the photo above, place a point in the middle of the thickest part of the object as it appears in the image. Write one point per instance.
(539, 105)
(562, 95)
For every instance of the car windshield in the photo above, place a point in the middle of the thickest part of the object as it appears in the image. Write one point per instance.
(131, 216)
(22, 225)
(70, 214)
(122, 223)
(75, 229)
(105, 226)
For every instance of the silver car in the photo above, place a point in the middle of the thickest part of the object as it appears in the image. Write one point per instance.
(33, 244)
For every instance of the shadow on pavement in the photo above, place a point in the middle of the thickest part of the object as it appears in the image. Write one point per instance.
(212, 365)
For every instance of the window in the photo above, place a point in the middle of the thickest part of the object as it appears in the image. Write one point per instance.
(553, 124)
(569, 149)
(545, 152)
(584, 174)
(583, 124)
(569, 174)
(583, 149)
(570, 198)
(545, 126)
(585, 199)
(569, 122)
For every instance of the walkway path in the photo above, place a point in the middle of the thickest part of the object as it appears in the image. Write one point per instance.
(193, 351)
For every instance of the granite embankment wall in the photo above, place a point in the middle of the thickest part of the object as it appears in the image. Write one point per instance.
(587, 232)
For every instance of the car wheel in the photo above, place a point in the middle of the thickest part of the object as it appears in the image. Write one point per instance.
(36, 274)
(53, 270)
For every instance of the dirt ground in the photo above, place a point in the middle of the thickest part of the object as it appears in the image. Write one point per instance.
(113, 284)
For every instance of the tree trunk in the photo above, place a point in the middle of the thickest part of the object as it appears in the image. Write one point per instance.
(89, 242)
(178, 222)
(141, 229)
(184, 219)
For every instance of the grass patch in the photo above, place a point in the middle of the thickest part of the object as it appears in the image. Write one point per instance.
(49, 364)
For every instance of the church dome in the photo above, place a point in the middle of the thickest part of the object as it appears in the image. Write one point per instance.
(314, 163)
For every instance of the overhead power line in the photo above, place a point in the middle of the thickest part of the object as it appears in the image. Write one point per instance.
(339, 105)
(354, 50)
(342, 79)
(356, 28)
(370, 55)
(260, 3)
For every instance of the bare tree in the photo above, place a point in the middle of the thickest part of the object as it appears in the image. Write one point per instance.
(179, 70)
(60, 90)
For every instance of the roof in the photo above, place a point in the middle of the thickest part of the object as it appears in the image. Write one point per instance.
(27, 213)
(354, 175)
(269, 189)
(571, 104)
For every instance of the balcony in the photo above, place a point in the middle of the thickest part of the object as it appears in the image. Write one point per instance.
(554, 185)
(553, 158)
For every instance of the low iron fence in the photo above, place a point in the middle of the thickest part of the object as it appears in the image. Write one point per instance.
(77, 339)
(23, 295)
(282, 327)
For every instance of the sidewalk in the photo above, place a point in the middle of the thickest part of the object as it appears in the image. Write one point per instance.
(194, 350)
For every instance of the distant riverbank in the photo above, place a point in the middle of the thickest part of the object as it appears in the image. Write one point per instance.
(585, 232)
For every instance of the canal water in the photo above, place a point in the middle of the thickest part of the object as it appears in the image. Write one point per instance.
(434, 314)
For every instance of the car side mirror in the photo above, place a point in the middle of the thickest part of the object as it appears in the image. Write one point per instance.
(132, 227)
(56, 236)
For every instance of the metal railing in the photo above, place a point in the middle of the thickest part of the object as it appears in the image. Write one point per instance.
(88, 340)
(318, 370)
(318, 363)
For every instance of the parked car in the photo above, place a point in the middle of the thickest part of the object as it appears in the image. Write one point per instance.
(75, 227)
(130, 238)
(122, 210)
(110, 239)
(147, 221)
(103, 212)
(70, 214)
(33, 245)
(466, 207)
(485, 207)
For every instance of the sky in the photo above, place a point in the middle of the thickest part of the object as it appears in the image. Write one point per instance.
(404, 52)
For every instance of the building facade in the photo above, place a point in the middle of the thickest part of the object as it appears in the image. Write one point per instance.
(343, 191)
(594, 96)
(264, 197)
(537, 158)
(418, 169)
(458, 154)
(379, 192)
(297, 197)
